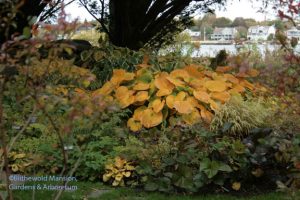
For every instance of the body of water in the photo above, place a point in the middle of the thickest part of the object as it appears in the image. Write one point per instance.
(211, 50)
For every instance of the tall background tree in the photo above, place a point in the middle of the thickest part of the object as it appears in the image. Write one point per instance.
(138, 23)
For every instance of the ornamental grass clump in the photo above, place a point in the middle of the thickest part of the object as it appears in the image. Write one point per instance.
(240, 116)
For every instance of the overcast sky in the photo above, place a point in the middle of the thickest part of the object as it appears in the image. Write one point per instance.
(234, 8)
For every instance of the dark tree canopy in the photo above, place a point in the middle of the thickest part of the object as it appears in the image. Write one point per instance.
(15, 15)
(136, 23)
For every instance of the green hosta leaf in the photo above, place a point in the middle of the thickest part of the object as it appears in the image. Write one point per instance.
(151, 186)
(211, 168)
(224, 167)
(239, 147)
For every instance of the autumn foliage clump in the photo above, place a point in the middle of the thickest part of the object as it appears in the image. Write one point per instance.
(192, 93)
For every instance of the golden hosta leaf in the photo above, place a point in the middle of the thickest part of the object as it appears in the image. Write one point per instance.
(236, 186)
(137, 115)
(126, 174)
(213, 105)
(215, 86)
(163, 92)
(129, 167)
(224, 69)
(206, 115)
(19, 156)
(109, 167)
(237, 89)
(180, 73)
(208, 73)
(216, 76)
(183, 107)
(125, 102)
(106, 89)
(150, 118)
(122, 92)
(253, 72)
(141, 96)
(192, 118)
(129, 76)
(248, 85)
(157, 105)
(115, 183)
(134, 125)
(121, 75)
(119, 177)
(202, 96)
(180, 96)
(196, 83)
(231, 78)
(221, 96)
(106, 177)
(118, 76)
(194, 102)
(141, 86)
(176, 82)
(119, 162)
(193, 71)
(170, 101)
(162, 83)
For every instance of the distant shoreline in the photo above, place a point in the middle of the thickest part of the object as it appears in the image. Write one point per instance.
(214, 42)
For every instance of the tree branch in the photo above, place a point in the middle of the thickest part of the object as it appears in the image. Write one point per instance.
(102, 23)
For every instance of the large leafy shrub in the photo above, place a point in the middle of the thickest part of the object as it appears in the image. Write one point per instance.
(192, 159)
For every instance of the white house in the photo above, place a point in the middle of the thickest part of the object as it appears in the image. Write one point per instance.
(293, 33)
(195, 35)
(226, 33)
(260, 32)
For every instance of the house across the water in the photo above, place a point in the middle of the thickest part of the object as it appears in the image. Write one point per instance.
(260, 32)
(293, 33)
(226, 33)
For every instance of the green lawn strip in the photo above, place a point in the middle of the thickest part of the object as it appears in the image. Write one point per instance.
(126, 194)
(99, 191)
(83, 190)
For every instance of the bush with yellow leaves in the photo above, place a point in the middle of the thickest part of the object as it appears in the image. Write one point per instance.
(192, 93)
(18, 162)
(118, 171)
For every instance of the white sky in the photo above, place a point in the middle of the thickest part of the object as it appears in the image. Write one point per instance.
(234, 8)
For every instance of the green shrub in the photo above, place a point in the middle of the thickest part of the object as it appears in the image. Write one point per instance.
(192, 159)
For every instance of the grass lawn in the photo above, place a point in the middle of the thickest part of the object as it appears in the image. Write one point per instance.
(87, 190)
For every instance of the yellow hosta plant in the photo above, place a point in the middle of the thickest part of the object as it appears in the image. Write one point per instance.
(194, 93)
(117, 171)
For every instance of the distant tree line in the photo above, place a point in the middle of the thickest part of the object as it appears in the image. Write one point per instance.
(210, 21)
